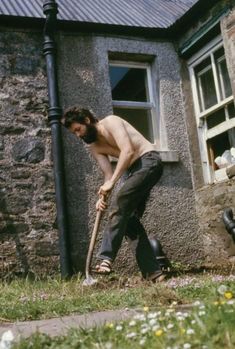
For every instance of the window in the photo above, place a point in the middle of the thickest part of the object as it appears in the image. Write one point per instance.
(214, 108)
(132, 96)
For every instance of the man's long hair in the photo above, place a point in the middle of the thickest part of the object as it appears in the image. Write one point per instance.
(76, 114)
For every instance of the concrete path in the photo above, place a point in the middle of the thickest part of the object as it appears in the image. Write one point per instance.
(59, 326)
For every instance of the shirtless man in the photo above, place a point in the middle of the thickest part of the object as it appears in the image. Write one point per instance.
(140, 163)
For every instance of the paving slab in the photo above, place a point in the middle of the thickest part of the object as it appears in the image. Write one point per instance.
(60, 325)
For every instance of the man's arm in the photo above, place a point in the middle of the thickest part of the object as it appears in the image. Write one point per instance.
(104, 164)
(117, 129)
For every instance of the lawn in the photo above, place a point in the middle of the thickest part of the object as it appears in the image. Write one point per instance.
(207, 322)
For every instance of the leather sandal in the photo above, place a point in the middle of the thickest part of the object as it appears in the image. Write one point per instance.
(104, 267)
(156, 276)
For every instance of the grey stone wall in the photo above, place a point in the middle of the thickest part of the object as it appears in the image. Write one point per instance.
(28, 238)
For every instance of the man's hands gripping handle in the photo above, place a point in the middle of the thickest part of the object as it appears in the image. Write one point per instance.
(103, 193)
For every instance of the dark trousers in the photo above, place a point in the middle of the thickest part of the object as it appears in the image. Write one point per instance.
(127, 207)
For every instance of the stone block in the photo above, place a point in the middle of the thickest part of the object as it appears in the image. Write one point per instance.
(46, 248)
(28, 150)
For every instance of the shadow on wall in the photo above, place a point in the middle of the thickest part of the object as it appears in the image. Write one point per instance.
(77, 166)
(11, 231)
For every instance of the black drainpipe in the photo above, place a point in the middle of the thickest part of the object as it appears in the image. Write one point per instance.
(54, 115)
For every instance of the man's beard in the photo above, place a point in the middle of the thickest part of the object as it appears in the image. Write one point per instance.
(91, 134)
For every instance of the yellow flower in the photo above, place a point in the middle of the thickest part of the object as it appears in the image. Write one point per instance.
(182, 330)
(158, 333)
(109, 325)
(216, 303)
(146, 308)
(228, 295)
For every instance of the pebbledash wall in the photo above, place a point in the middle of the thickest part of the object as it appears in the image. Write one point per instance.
(183, 213)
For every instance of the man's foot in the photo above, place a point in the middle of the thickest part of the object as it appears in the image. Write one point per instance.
(156, 276)
(104, 267)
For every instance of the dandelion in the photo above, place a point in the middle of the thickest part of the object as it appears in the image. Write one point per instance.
(109, 325)
(132, 323)
(190, 331)
(228, 295)
(158, 333)
(6, 340)
(131, 335)
(119, 328)
(222, 289)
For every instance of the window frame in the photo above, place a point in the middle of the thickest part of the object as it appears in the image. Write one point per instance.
(150, 104)
(205, 134)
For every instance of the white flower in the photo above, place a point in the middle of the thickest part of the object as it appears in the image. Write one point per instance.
(6, 340)
(222, 289)
(193, 322)
(169, 326)
(231, 302)
(131, 335)
(108, 345)
(132, 323)
(155, 328)
(152, 315)
(144, 330)
(140, 317)
(119, 328)
(180, 318)
(201, 313)
(152, 322)
(187, 346)
(197, 303)
(142, 341)
(190, 331)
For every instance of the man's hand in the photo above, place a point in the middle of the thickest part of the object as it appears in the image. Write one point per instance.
(101, 204)
(106, 187)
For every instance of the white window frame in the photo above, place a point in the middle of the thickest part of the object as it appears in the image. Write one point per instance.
(203, 133)
(150, 105)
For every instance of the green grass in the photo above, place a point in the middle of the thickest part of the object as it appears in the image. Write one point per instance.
(205, 326)
(39, 299)
(208, 325)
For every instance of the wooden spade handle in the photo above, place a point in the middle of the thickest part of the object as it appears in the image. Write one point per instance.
(92, 241)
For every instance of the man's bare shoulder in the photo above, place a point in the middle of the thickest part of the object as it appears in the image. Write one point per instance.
(109, 119)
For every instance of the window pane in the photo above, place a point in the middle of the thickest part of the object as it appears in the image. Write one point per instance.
(140, 119)
(231, 110)
(217, 145)
(215, 118)
(224, 81)
(205, 85)
(128, 84)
